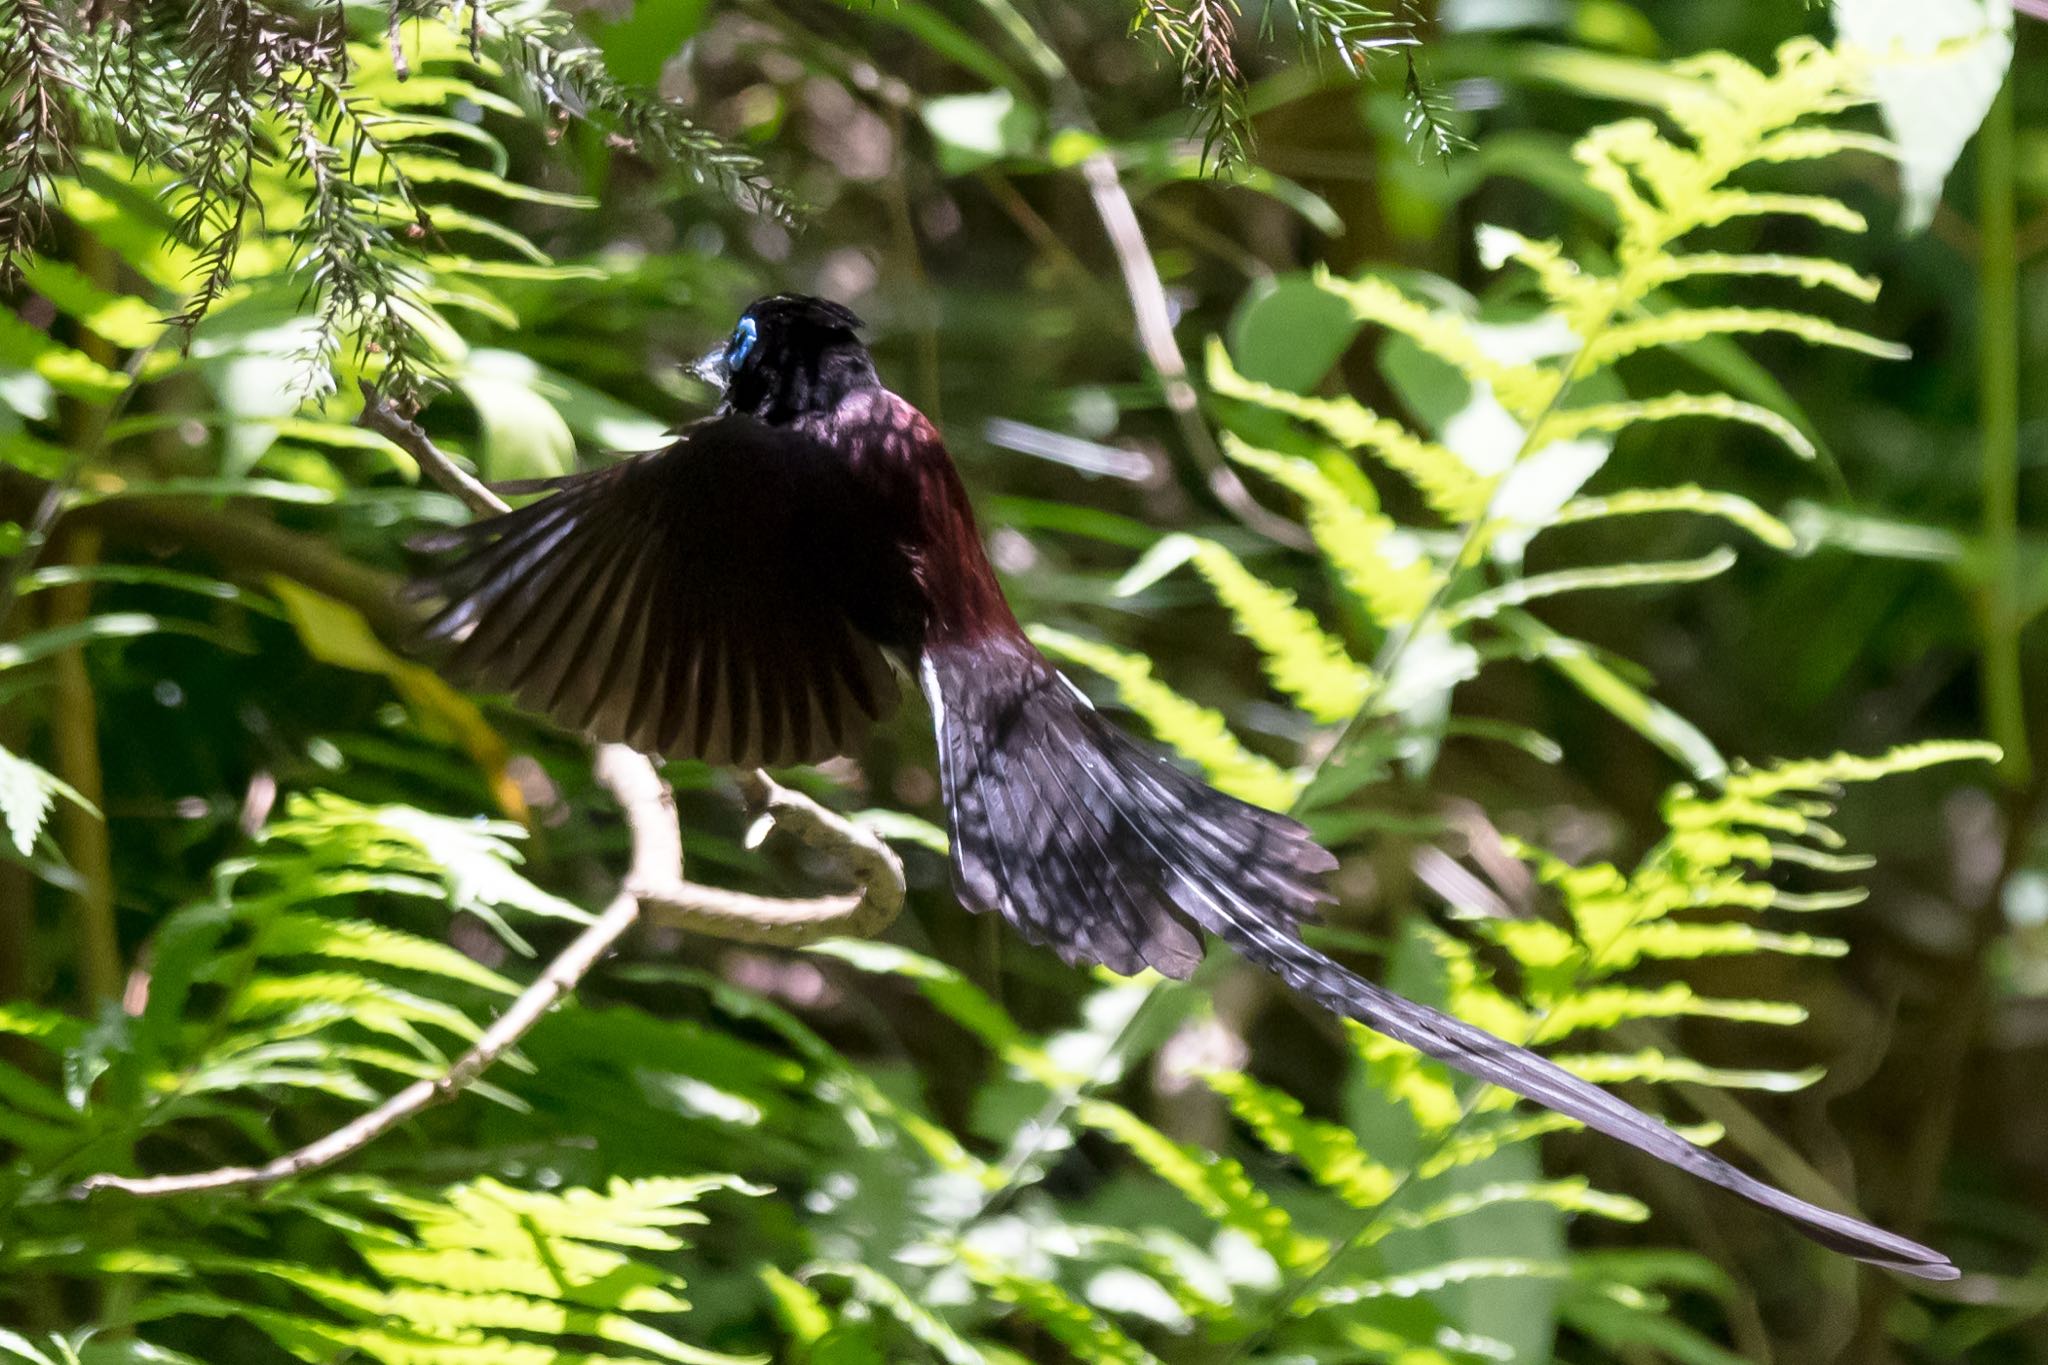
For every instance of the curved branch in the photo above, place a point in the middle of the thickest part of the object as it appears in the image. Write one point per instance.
(654, 888)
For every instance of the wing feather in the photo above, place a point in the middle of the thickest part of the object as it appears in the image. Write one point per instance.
(715, 599)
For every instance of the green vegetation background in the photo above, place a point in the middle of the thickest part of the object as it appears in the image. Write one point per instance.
(1771, 431)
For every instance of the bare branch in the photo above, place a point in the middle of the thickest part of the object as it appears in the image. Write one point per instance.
(382, 416)
(1154, 320)
(669, 900)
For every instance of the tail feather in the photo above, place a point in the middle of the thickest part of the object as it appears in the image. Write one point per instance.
(1105, 852)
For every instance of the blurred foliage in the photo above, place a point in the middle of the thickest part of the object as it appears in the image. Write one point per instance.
(1600, 429)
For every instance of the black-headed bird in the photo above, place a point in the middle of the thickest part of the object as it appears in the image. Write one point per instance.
(750, 594)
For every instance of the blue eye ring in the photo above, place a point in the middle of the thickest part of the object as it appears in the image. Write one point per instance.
(742, 342)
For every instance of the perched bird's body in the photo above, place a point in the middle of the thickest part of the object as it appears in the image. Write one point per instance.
(750, 594)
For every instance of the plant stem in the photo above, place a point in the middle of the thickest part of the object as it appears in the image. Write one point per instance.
(74, 723)
(1998, 393)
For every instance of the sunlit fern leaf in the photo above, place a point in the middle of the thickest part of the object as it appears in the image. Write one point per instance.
(1605, 577)
(1446, 482)
(476, 861)
(1086, 1333)
(1732, 508)
(1651, 1064)
(27, 795)
(1605, 1006)
(1672, 941)
(878, 1291)
(1406, 1078)
(1163, 1257)
(1303, 661)
(1567, 423)
(1215, 1184)
(483, 1272)
(1573, 1195)
(1522, 387)
(1193, 731)
(1695, 324)
(1480, 1139)
(1381, 565)
(323, 997)
(1425, 1282)
(1329, 1153)
(318, 936)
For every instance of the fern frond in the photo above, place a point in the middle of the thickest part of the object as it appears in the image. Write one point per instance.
(1650, 1064)
(1567, 423)
(1812, 272)
(1697, 324)
(1196, 732)
(1331, 1155)
(1303, 661)
(1523, 389)
(877, 1290)
(1605, 1006)
(1477, 1142)
(1816, 142)
(1214, 1184)
(1449, 485)
(294, 934)
(1604, 577)
(1420, 1283)
(1674, 941)
(1571, 1195)
(1691, 499)
(1377, 562)
(1725, 206)
(1079, 1328)
(27, 795)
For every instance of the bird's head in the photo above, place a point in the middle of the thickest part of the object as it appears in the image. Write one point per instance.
(790, 354)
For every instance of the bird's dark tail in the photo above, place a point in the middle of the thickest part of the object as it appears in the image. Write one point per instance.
(1104, 851)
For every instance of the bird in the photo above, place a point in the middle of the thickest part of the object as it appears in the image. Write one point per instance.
(756, 592)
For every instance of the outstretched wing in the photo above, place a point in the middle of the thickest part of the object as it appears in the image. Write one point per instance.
(697, 601)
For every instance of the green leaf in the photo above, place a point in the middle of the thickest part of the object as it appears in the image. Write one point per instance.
(1304, 661)
(639, 45)
(1330, 1154)
(972, 131)
(26, 794)
(1676, 736)
(524, 436)
(879, 1291)
(1288, 332)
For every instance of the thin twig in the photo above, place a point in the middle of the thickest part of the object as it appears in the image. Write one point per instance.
(656, 878)
(1154, 321)
(399, 66)
(557, 981)
(382, 416)
(653, 888)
